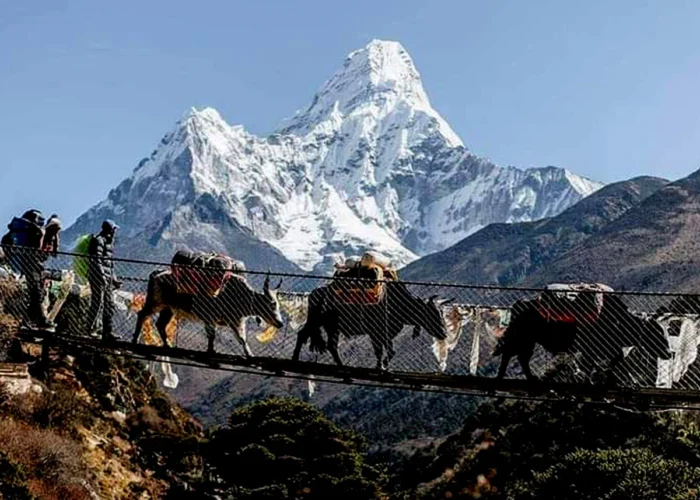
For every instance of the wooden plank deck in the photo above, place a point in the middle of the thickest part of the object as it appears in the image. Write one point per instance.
(431, 382)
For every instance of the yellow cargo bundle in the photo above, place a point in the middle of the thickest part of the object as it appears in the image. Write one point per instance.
(370, 271)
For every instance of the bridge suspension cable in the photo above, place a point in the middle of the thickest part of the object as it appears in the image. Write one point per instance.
(585, 343)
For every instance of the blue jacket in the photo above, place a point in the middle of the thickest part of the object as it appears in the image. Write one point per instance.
(24, 233)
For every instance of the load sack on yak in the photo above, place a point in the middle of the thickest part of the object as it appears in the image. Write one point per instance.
(362, 280)
(199, 273)
(571, 303)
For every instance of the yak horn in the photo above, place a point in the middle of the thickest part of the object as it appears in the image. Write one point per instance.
(279, 285)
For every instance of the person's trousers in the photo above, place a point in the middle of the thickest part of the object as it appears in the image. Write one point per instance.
(35, 290)
(101, 297)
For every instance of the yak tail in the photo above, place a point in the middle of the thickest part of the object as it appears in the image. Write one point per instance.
(312, 330)
(316, 303)
(318, 343)
(150, 288)
(152, 283)
(501, 344)
(498, 350)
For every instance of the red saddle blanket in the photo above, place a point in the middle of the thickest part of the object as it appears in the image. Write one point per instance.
(571, 303)
(359, 285)
(556, 314)
(197, 274)
(195, 281)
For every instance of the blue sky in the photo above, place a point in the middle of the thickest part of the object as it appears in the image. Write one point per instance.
(606, 89)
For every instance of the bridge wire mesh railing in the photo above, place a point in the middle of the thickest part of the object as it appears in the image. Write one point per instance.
(638, 340)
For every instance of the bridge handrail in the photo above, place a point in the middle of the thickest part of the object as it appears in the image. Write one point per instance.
(443, 284)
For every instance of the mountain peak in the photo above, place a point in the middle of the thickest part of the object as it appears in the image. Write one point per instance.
(206, 114)
(378, 80)
(383, 64)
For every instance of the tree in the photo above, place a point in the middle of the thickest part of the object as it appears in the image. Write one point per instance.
(284, 448)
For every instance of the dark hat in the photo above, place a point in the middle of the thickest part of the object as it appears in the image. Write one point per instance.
(109, 226)
(34, 215)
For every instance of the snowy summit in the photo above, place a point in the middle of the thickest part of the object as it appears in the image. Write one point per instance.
(369, 164)
(376, 81)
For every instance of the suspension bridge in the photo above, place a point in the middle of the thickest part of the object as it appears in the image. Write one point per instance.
(584, 344)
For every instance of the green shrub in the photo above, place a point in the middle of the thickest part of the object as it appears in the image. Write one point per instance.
(11, 311)
(52, 463)
(61, 409)
(13, 480)
(614, 475)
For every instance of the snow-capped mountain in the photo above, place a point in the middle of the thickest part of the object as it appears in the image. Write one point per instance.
(368, 165)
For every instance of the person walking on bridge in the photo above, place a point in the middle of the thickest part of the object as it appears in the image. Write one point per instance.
(24, 248)
(102, 280)
(51, 239)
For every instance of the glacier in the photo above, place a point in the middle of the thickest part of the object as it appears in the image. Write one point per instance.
(369, 164)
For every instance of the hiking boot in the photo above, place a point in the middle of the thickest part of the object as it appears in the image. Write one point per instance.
(47, 323)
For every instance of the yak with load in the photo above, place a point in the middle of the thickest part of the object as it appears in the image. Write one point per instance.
(211, 289)
(365, 297)
(587, 319)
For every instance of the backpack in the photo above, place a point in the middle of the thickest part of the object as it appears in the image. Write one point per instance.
(13, 260)
(24, 233)
(80, 264)
(8, 239)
